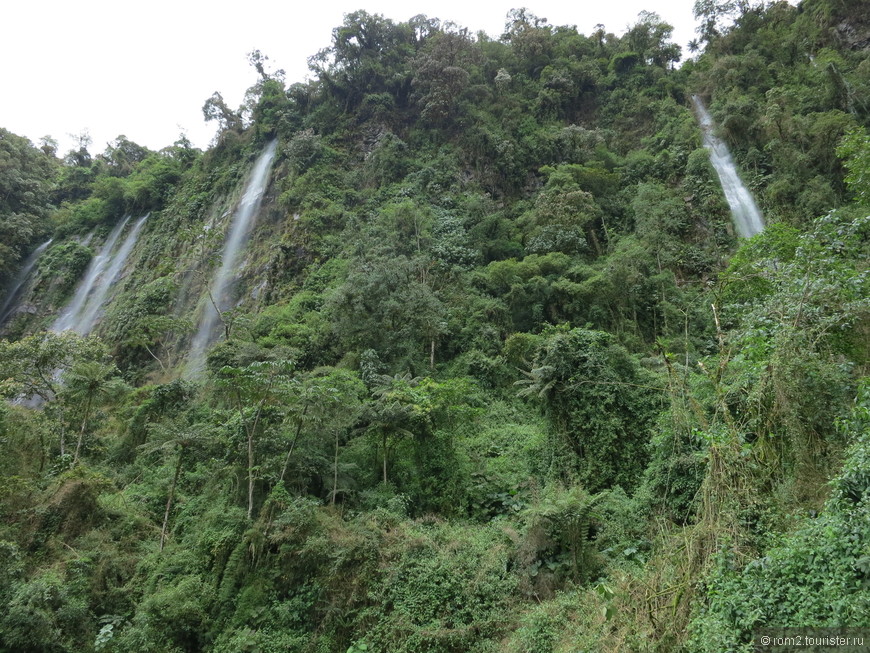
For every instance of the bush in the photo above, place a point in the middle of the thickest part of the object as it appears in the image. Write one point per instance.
(817, 576)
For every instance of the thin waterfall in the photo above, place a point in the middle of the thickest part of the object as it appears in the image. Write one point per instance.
(104, 270)
(17, 285)
(220, 288)
(745, 213)
(68, 318)
(91, 310)
(81, 314)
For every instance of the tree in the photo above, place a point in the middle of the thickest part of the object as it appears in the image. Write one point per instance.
(530, 39)
(335, 395)
(441, 73)
(560, 220)
(215, 109)
(151, 331)
(566, 213)
(716, 15)
(80, 157)
(93, 382)
(649, 37)
(564, 521)
(25, 172)
(78, 172)
(138, 321)
(48, 145)
(660, 217)
(368, 56)
(387, 305)
(258, 60)
(178, 437)
(35, 366)
(251, 389)
(394, 413)
(122, 155)
(600, 404)
(800, 305)
(854, 150)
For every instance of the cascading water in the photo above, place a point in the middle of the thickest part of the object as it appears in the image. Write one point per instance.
(70, 315)
(82, 312)
(240, 230)
(91, 310)
(17, 285)
(745, 213)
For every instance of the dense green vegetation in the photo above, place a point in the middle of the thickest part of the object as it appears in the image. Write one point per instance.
(500, 376)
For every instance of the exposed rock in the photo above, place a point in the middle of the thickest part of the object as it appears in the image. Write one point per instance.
(855, 32)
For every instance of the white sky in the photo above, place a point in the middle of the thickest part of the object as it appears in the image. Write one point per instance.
(145, 69)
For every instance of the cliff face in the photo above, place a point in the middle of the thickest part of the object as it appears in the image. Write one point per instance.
(492, 369)
(456, 154)
(854, 31)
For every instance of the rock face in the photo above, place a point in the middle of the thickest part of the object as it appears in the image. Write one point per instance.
(855, 31)
(220, 289)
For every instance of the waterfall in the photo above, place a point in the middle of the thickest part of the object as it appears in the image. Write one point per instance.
(82, 312)
(745, 214)
(243, 221)
(91, 310)
(68, 318)
(17, 285)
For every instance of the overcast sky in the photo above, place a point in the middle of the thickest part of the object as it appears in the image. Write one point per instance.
(145, 69)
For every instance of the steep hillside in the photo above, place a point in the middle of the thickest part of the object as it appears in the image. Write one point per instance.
(486, 366)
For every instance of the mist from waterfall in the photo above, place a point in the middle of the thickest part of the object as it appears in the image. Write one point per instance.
(745, 213)
(81, 314)
(220, 289)
(17, 285)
